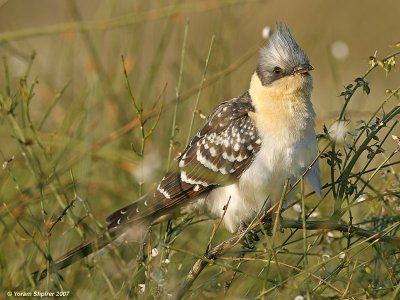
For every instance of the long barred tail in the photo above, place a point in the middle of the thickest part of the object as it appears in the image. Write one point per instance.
(138, 211)
(170, 193)
(77, 253)
(131, 228)
(131, 219)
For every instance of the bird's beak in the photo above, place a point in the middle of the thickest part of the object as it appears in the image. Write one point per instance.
(304, 68)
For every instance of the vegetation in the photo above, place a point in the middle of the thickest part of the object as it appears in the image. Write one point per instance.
(72, 156)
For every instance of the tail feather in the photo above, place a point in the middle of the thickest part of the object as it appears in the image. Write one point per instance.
(129, 231)
(139, 211)
(170, 193)
(77, 253)
(131, 212)
(143, 212)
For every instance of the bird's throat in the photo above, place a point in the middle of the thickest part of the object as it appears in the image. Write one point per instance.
(283, 108)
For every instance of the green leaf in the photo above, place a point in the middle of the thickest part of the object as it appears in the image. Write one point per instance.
(366, 88)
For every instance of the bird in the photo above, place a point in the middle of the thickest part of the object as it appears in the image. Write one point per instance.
(246, 150)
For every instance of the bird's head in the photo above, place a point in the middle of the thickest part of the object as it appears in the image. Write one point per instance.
(283, 64)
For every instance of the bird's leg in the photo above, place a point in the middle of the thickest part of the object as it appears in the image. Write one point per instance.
(249, 238)
(268, 223)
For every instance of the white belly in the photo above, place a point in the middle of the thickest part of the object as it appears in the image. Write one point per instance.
(263, 180)
(285, 121)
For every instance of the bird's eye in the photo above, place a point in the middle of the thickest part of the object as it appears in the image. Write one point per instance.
(277, 70)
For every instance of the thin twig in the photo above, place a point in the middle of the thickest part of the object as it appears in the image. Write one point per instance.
(217, 224)
(195, 109)
(226, 245)
(320, 279)
(178, 95)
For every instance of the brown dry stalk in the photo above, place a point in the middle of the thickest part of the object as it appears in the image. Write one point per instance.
(226, 245)
(285, 265)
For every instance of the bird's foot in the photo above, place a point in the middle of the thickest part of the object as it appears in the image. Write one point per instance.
(268, 223)
(249, 238)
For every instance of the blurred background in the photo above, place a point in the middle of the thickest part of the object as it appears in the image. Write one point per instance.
(82, 145)
(338, 37)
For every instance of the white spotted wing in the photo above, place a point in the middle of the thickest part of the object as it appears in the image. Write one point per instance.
(219, 153)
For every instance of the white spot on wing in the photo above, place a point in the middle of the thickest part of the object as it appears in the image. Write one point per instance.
(230, 158)
(205, 162)
(164, 192)
(213, 152)
(186, 179)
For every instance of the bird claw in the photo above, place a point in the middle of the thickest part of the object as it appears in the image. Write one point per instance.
(250, 237)
(268, 224)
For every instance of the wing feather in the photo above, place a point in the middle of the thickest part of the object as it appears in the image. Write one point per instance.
(218, 155)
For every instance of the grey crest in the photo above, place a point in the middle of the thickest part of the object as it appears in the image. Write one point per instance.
(280, 56)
